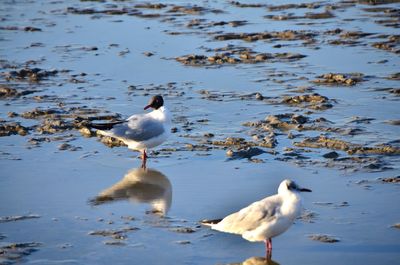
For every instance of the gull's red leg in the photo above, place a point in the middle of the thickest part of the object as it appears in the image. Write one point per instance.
(268, 248)
(144, 159)
(269, 243)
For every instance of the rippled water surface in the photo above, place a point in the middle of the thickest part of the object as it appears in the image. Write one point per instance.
(258, 92)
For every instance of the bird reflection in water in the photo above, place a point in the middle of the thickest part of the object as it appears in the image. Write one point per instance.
(140, 186)
(257, 261)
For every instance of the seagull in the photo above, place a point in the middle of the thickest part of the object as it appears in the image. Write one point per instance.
(140, 186)
(141, 131)
(264, 219)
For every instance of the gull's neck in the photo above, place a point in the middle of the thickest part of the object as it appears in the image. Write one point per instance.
(291, 203)
(161, 114)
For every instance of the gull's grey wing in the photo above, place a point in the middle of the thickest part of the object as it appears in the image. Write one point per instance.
(248, 218)
(139, 129)
(105, 126)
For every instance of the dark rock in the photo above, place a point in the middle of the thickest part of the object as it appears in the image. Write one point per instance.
(331, 155)
(247, 153)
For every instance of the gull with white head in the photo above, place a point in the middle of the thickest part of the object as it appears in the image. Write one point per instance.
(264, 219)
(141, 131)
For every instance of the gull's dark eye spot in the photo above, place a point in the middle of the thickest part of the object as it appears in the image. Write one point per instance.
(291, 185)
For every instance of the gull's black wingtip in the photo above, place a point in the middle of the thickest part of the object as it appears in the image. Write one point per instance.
(207, 222)
(104, 126)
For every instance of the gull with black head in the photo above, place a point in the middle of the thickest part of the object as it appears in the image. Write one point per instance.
(141, 131)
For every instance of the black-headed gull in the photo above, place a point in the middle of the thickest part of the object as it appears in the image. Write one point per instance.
(141, 131)
(264, 219)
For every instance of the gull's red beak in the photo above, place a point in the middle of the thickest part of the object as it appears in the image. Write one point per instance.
(148, 106)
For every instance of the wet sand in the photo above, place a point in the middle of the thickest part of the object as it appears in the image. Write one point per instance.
(259, 92)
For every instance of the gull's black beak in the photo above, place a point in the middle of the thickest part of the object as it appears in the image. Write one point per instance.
(305, 190)
(148, 106)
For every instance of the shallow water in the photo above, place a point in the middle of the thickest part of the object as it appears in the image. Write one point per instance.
(348, 201)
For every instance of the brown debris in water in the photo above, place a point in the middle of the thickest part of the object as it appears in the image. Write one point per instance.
(234, 142)
(29, 74)
(14, 218)
(40, 113)
(323, 15)
(350, 148)
(395, 91)
(193, 10)
(114, 243)
(220, 96)
(119, 234)
(379, 149)
(51, 126)
(197, 147)
(68, 147)
(377, 2)
(8, 92)
(91, 11)
(313, 5)
(59, 121)
(244, 5)
(235, 57)
(396, 225)
(272, 35)
(291, 121)
(339, 79)
(393, 122)
(390, 22)
(346, 37)
(308, 216)
(242, 145)
(395, 76)
(324, 142)
(86, 132)
(183, 230)
(323, 238)
(201, 23)
(14, 253)
(27, 28)
(11, 128)
(312, 101)
(286, 121)
(151, 6)
(246, 153)
(370, 164)
(391, 179)
(392, 44)
(175, 10)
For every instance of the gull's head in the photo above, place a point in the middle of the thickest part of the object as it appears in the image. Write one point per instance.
(155, 102)
(290, 186)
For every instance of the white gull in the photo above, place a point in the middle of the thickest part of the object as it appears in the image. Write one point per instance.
(264, 219)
